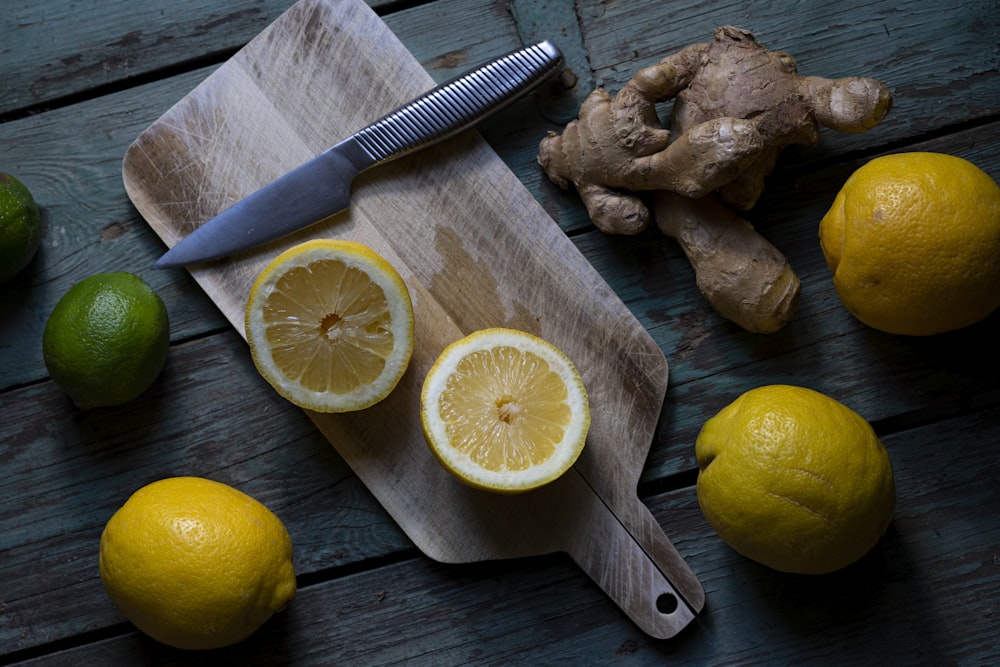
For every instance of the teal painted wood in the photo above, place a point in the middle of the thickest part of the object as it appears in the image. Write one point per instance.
(881, 39)
(941, 66)
(54, 49)
(924, 595)
(66, 472)
(90, 225)
(556, 20)
(824, 347)
(447, 36)
(367, 595)
(905, 43)
(64, 161)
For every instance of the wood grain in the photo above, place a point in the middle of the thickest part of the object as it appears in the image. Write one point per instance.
(924, 595)
(42, 66)
(927, 596)
(476, 250)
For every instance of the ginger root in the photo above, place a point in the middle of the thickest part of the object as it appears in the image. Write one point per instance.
(737, 106)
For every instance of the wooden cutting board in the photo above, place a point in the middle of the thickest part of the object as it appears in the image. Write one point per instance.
(476, 251)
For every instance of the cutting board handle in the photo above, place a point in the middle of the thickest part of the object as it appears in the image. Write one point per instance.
(633, 568)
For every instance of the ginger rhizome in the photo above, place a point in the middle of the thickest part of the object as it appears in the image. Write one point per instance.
(736, 107)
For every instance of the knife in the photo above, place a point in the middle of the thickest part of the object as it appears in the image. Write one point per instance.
(322, 186)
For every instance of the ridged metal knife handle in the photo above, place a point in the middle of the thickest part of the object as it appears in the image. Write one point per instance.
(459, 103)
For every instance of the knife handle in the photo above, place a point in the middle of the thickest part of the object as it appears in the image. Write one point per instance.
(459, 104)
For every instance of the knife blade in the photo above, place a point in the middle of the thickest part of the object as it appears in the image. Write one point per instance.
(321, 187)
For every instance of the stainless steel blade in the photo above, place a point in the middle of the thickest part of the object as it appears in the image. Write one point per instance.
(321, 187)
(307, 194)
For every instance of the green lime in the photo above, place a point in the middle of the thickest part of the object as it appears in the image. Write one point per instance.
(20, 227)
(106, 340)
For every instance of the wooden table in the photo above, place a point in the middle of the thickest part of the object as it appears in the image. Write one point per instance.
(83, 80)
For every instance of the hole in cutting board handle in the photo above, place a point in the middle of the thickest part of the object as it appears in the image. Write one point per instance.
(666, 603)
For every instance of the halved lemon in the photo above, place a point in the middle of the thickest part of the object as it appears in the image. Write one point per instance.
(330, 325)
(504, 410)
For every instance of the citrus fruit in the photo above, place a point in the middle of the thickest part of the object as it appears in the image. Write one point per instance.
(330, 325)
(504, 410)
(20, 227)
(913, 240)
(794, 479)
(196, 564)
(106, 340)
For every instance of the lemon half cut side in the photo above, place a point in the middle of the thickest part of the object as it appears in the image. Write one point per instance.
(504, 410)
(330, 325)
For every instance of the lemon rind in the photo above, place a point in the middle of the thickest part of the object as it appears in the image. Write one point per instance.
(383, 274)
(460, 465)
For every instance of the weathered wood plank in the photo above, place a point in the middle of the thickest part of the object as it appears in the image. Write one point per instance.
(712, 361)
(881, 39)
(64, 161)
(909, 44)
(925, 594)
(557, 21)
(89, 225)
(74, 172)
(949, 367)
(53, 49)
(67, 471)
(650, 273)
(941, 66)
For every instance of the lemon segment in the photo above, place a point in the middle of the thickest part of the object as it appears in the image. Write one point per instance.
(504, 410)
(330, 325)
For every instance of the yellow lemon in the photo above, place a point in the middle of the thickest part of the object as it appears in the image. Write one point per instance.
(330, 325)
(20, 226)
(196, 564)
(913, 240)
(795, 480)
(504, 410)
(107, 339)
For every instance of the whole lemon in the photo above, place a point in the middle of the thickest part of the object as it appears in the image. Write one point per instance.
(196, 564)
(107, 339)
(20, 227)
(795, 480)
(913, 240)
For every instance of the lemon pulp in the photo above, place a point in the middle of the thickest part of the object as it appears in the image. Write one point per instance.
(330, 325)
(504, 410)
